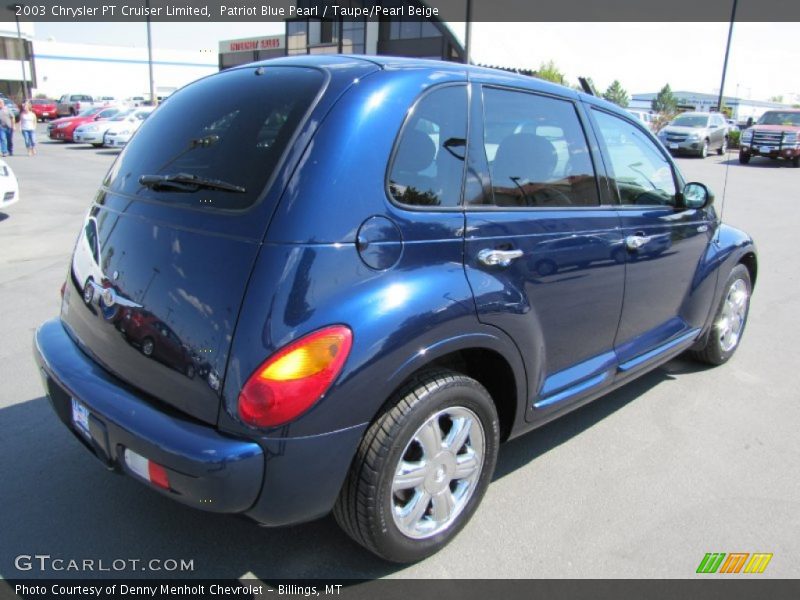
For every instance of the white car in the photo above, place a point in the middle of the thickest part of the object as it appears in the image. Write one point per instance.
(86, 260)
(9, 188)
(119, 133)
(648, 119)
(94, 131)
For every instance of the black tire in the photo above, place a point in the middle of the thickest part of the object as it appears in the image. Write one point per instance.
(724, 147)
(744, 158)
(712, 351)
(148, 347)
(365, 507)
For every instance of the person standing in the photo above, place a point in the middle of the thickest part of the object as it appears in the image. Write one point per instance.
(6, 118)
(27, 124)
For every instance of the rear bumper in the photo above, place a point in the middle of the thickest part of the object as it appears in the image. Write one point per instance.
(206, 469)
(274, 481)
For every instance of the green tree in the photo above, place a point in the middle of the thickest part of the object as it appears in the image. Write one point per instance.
(550, 72)
(617, 94)
(778, 99)
(665, 102)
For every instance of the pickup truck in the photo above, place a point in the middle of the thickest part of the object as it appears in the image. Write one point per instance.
(775, 135)
(71, 104)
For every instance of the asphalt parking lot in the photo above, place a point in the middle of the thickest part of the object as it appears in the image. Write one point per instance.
(642, 483)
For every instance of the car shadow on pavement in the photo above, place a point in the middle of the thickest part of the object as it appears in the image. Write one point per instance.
(525, 449)
(59, 500)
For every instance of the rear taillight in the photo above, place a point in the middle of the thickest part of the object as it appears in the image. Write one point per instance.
(289, 382)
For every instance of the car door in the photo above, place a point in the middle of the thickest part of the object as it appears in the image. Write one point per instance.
(543, 255)
(663, 303)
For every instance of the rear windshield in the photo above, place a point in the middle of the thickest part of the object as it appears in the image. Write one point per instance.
(231, 128)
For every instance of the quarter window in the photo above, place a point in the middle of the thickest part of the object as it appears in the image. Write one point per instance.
(641, 172)
(428, 165)
(537, 151)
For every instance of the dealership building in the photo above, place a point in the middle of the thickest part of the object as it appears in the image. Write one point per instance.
(55, 68)
(392, 36)
(741, 109)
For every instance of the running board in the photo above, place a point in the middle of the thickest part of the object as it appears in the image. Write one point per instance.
(576, 389)
(689, 336)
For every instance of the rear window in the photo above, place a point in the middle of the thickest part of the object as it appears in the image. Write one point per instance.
(231, 128)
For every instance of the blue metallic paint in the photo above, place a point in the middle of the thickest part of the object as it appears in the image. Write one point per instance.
(337, 250)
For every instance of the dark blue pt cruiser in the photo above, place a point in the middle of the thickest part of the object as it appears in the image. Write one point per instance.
(321, 284)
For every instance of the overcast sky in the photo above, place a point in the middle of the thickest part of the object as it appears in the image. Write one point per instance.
(764, 61)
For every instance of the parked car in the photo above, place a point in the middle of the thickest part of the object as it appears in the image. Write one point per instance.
(331, 238)
(155, 339)
(93, 132)
(775, 136)
(64, 129)
(44, 109)
(645, 117)
(696, 133)
(73, 104)
(9, 188)
(120, 131)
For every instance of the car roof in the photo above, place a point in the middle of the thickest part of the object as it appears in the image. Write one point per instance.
(345, 65)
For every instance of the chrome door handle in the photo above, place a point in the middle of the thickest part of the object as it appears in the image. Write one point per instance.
(498, 258)
(634, 242)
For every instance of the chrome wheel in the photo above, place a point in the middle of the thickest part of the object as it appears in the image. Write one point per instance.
(438, 472)
(731, 321)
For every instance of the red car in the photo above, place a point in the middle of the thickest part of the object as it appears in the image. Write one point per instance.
(43, 108)
(62, 129)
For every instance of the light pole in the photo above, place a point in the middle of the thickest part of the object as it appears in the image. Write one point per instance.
(150, 56)
(727, 52)
(468, 33)
(21, 53)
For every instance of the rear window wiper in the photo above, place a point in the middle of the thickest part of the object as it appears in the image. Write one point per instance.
(185, 182)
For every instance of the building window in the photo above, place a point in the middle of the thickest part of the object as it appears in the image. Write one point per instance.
(296, 37)
(353, 34)
(410, 29)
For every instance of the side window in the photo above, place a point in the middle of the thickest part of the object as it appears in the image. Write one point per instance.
(537, 151)
(428, 164)
(642, 174)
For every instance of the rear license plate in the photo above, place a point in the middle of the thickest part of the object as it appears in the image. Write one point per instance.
(80, 418)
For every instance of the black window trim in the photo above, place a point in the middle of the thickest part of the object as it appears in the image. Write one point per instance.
(396, 146)
(581, 121)
(615, 196)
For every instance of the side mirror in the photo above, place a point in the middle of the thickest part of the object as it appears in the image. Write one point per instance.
(696, 195)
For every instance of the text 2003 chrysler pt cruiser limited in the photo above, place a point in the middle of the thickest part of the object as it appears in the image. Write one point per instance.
(317, 284)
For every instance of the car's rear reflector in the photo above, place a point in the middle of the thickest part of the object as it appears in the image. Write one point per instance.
(147, 469)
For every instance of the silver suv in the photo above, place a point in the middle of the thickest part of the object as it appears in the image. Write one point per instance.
(696, 133)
